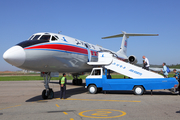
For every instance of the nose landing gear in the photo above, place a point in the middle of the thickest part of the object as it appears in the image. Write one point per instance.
(47, 93)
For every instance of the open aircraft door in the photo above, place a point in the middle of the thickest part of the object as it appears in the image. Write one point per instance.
(89, 52)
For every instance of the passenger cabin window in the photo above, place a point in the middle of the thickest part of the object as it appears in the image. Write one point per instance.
(97, 72)
(86, 45)
(45, 37)
(93, 46)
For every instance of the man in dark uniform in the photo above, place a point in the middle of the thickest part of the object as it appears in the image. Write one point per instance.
(62, 83)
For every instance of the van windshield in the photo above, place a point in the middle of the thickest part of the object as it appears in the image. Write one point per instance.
(97, 72)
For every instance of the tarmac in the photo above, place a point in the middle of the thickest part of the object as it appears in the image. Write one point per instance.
(21, 100)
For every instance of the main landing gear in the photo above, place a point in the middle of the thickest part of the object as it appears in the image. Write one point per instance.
(47, 93)
(76, 81)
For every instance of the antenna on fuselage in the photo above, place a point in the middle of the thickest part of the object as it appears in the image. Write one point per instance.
(59, 32)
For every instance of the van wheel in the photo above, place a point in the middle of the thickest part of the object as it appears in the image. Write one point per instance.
(138, 90)
(92, 89)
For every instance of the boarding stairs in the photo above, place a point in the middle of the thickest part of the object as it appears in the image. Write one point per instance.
(110, 62)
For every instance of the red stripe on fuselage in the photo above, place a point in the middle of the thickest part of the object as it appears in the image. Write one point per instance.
(60, 47)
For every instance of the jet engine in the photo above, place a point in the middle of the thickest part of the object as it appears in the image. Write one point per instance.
(132, 59)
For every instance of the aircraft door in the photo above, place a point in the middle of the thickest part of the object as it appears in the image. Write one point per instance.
(89, 52)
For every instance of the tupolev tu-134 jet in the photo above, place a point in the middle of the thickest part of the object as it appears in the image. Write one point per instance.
(52, 53)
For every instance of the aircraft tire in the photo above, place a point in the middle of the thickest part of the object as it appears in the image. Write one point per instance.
(79, 81)
(51, 94)
(44, 94)
(92, 89)
(139, 90)
(74, 81)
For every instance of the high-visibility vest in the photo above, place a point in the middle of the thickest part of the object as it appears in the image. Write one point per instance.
(62, 80)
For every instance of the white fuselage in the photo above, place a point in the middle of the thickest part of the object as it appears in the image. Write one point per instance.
(49, 52)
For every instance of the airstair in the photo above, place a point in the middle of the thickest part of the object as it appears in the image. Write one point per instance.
(110, 62)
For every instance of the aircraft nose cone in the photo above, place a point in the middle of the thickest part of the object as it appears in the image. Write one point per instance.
(15, 56)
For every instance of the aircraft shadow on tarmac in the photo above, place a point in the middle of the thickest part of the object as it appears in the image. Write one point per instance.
(81, 90)
(69, 93)
(178, 111)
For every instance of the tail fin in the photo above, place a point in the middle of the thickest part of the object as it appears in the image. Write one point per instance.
(123, 49)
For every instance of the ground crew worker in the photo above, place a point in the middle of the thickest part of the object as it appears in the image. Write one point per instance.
(177, 78)
(176, 74)
(62, 83)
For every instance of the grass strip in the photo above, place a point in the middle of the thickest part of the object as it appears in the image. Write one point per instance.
(28, 78)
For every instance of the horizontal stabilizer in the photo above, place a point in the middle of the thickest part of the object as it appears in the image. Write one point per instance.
(123, 48)
(129, 34)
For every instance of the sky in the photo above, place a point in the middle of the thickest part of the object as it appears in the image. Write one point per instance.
(90, 20)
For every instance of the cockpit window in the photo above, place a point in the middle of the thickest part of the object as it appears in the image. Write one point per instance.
(53, 38)
(45, 37)
(31, 37)
(56, 37)
(36, 37)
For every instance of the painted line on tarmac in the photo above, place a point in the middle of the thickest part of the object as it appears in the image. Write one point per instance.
(101, 100)
(65, 113)
(57, 105)
(102, 113)
(10, 107)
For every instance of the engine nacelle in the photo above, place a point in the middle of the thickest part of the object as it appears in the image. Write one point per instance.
(132, 59)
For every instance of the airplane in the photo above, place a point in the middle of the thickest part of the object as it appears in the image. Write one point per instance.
(56, 53)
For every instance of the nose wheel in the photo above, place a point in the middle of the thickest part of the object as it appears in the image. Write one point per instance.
(48, 94)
